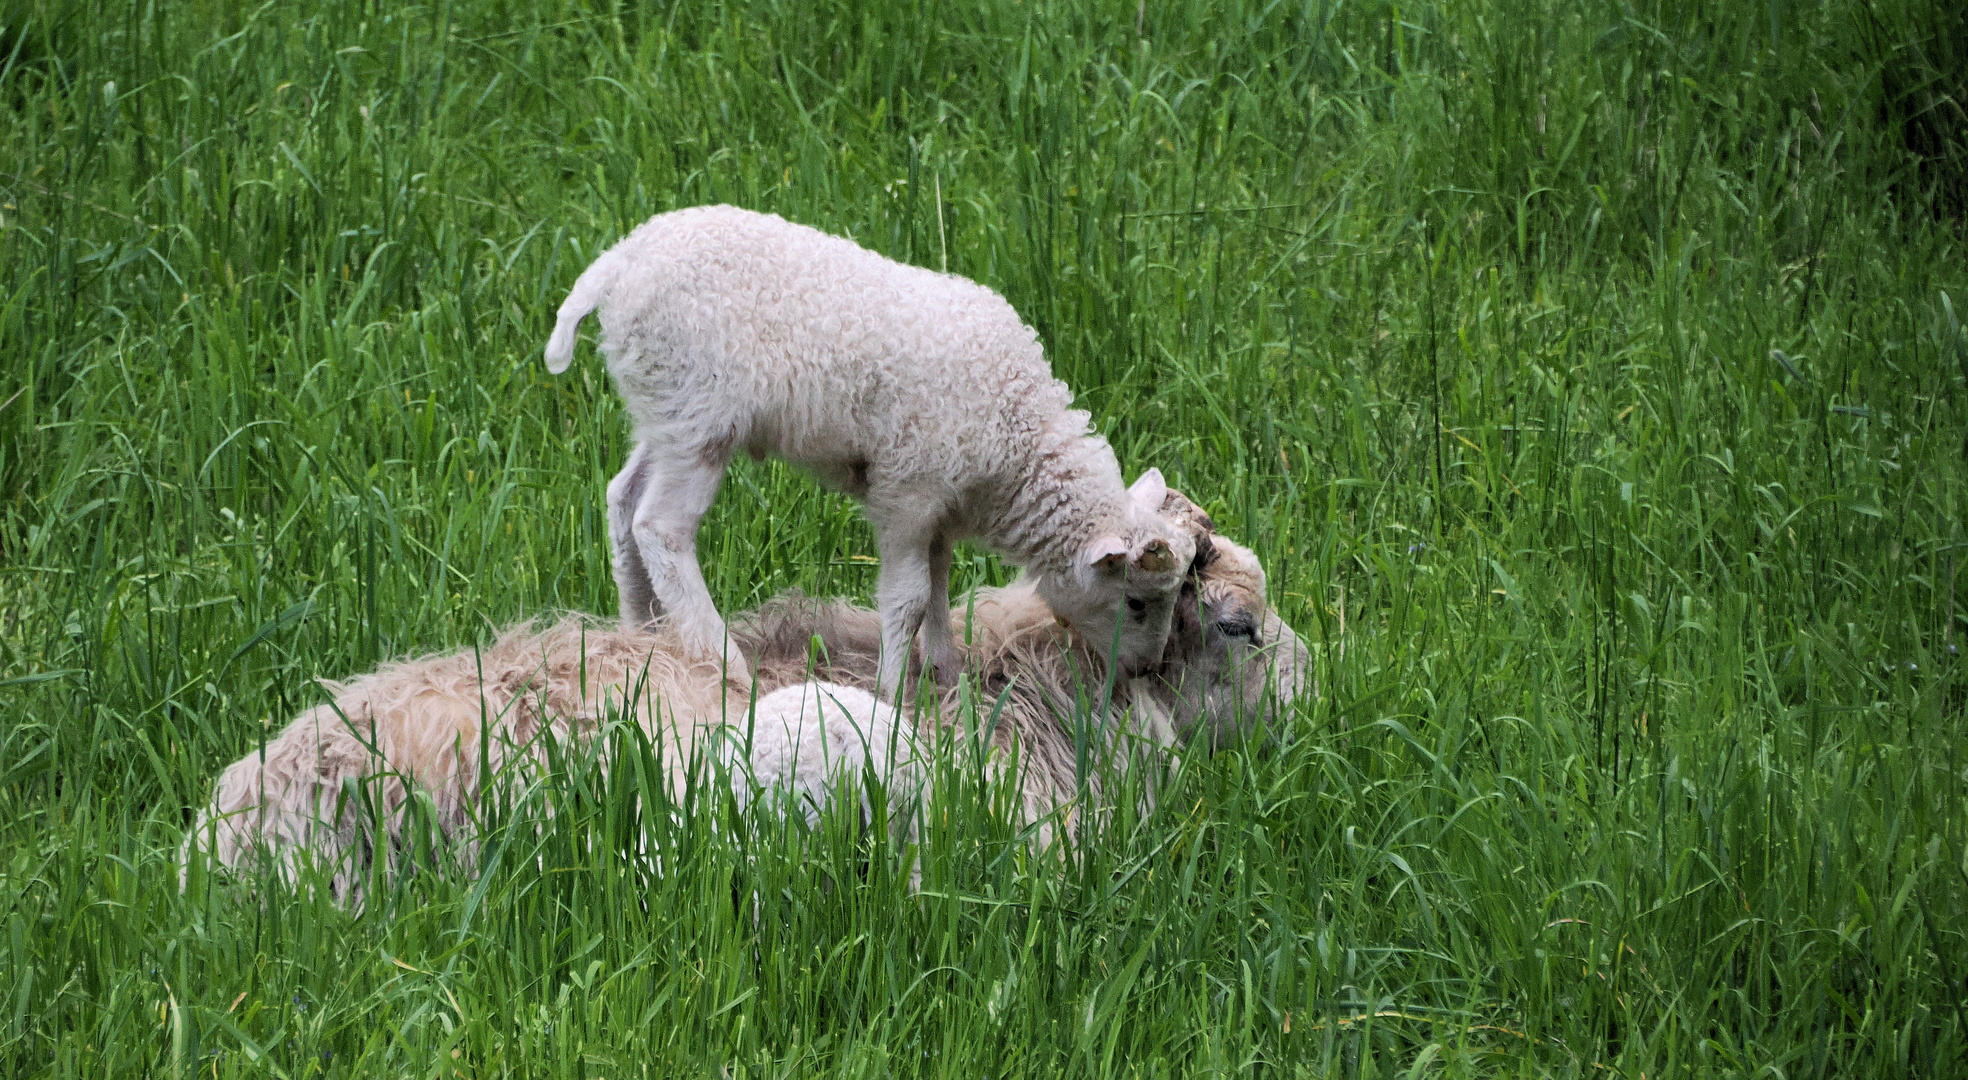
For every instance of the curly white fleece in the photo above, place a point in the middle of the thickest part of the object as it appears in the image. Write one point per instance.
(805, 740)
(922, 394)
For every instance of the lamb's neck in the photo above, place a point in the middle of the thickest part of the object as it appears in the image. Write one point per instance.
(1067, 500)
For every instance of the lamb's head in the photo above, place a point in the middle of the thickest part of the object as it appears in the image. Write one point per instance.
(1231, 661)
(1121, 587)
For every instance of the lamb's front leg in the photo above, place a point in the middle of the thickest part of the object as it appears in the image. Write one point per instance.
(939, 645)
(678, 489)
(902, 593)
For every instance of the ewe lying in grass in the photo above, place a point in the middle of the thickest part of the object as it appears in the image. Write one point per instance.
(921, 394)
(419, 728)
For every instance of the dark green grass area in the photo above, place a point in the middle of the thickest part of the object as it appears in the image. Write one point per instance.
(1590, 378)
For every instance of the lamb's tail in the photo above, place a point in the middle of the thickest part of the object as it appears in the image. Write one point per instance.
(583, 298)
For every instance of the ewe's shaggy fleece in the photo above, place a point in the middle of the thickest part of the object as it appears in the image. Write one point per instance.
(417, 726)
(921, 394)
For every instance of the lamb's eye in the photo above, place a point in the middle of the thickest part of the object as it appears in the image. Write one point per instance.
(1137, 605)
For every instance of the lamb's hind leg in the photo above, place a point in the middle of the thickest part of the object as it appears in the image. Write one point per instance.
(677, 490)
(637, 593)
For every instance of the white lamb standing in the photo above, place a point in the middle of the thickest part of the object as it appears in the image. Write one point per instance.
(921, 394)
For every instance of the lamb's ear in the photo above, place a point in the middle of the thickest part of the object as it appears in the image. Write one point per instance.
(1148, 491)
(1107, 555)
(1181, 507)
(1156, 558)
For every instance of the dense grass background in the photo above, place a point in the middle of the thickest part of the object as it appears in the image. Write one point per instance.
(1590, 378)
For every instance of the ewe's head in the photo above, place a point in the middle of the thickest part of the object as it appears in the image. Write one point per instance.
(1121, 590)
(1231, 660)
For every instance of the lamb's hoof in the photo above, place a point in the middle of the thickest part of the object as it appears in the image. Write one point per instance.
(943, 679)
(737, 670)
(945, 672)
(642, 621)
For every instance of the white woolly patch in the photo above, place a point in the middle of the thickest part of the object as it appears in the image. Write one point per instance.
(808, 739)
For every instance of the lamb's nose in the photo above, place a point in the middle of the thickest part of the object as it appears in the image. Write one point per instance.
(1146, 665)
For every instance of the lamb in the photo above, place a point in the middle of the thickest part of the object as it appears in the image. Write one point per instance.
(807, 737)
(921, 394)
(415, 728)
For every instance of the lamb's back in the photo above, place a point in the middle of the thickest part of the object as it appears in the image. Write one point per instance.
(720, 318)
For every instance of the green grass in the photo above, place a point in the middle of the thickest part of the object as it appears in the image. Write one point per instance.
(1591, 379)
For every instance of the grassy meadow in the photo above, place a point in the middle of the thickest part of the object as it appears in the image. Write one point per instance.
(1591, 379)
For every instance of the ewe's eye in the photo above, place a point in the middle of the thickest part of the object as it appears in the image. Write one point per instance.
(1238, 626)
(1137, 605)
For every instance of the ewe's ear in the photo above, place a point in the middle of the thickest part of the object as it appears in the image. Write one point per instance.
(1107, 555)
(1148, 491)
(1156, 558)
